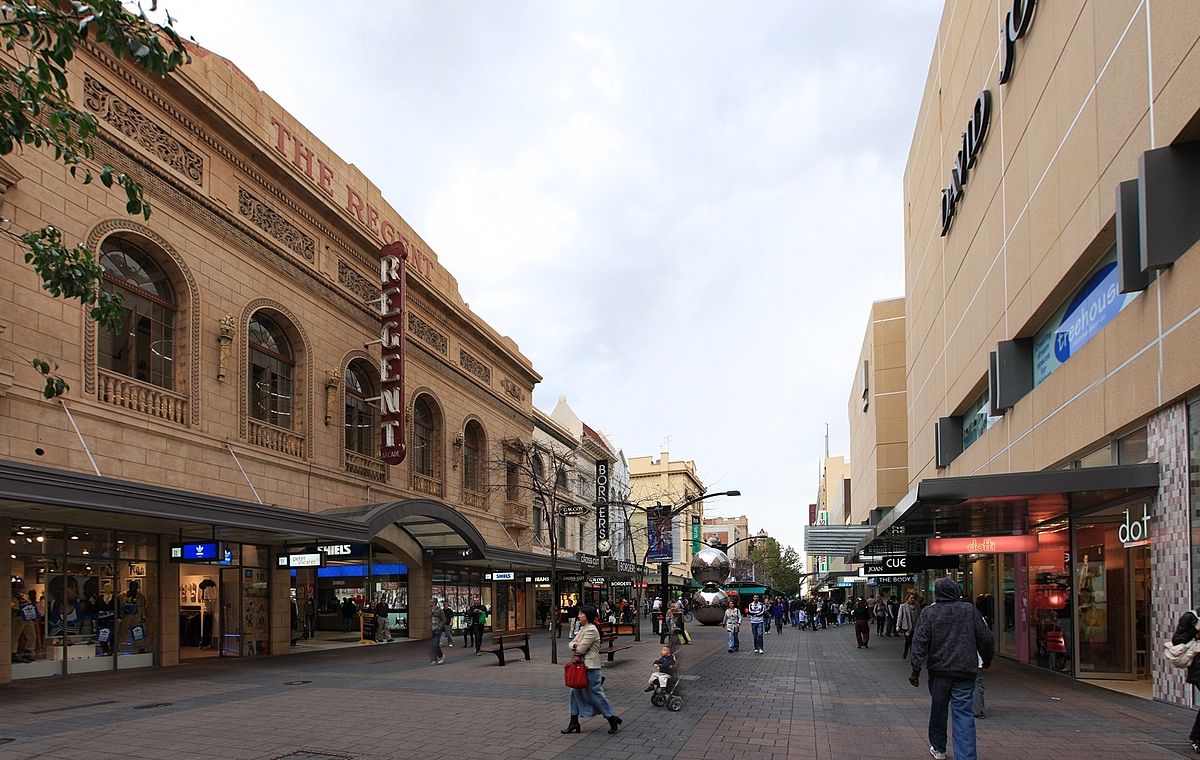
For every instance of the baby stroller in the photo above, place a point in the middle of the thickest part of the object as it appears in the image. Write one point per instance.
(668, 695)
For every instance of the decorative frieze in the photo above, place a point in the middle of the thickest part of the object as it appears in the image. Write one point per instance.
(360, 286)
(428, 334)
(276, 225)
(132, 123)
(512, 389)
(475, 367)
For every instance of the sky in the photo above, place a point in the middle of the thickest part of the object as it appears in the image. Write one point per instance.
(680, 211)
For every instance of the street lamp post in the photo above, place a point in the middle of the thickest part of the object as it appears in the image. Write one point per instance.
(664, 567)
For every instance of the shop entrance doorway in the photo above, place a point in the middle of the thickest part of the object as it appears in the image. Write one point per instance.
(1112, 586)
(199, 611)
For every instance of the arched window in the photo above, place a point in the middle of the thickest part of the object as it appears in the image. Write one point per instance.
(473, 457)
(539, 470)
(272, 367)
(362, 416)
(423, 438)
(144, 347)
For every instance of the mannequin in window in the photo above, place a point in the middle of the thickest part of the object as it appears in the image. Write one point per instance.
(133, 610)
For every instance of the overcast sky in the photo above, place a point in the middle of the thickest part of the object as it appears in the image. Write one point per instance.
(681, 212)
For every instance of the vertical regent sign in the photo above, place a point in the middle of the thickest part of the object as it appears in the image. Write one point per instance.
(602, 526)
(391, 323)
(1016, 23)
(972, 141)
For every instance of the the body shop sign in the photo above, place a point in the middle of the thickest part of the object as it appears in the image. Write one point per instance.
(391, 312)
(1096, 304)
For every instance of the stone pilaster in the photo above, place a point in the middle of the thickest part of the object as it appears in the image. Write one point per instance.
(281, 610)
(167, 622)
(6, 606)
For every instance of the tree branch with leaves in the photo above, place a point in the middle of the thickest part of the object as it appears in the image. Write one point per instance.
(36, 111)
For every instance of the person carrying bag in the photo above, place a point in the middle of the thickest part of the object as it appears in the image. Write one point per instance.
(1181, 652)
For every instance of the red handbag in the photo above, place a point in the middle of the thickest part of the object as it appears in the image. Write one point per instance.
(575, 675)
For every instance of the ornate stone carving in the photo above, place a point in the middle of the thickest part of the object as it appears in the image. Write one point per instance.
(333, 379)
(475, 367)
(512, 389)
(428, 334)
(225, 336)
(276, 225)
(132, 123)
(366, 289)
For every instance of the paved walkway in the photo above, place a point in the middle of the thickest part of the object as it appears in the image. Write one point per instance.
(811, 695)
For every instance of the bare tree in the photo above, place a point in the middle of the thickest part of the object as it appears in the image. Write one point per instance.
(538, 469)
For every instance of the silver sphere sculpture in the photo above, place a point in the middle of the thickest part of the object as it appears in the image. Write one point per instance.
(708, 605)
(710, 565)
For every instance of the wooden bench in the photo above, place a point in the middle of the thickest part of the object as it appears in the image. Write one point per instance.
(609, 639)
(509, 641)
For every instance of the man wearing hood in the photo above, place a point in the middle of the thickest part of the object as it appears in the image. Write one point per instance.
(950, 640)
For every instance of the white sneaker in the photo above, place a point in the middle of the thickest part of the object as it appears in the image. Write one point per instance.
(435, 662)
(936, 755)
(441, 660)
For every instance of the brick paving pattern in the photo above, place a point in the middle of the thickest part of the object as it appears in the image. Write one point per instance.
(811, 695)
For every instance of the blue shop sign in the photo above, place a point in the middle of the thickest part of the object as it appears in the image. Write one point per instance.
(1095, 304)
(197, 551)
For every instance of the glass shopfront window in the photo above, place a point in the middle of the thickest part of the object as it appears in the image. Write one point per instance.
(361, 575)
(1051, 626)
(83, 600)
(463, 587)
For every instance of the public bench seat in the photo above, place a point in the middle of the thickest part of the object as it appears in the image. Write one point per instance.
(508, 642)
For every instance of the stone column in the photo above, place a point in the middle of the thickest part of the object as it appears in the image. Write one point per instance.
(166, 622)
(6, 606)
(281, 609)
(420, 599)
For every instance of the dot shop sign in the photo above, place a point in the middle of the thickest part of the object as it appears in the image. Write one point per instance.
(1134, 532)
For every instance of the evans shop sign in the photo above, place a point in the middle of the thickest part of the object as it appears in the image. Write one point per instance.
(1093, 306)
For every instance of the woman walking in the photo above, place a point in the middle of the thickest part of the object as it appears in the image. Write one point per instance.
(1188, 629)
(437, 625)
(777, 611)
(862, 624)
(587, 702)
(733, 625)
(678, 624)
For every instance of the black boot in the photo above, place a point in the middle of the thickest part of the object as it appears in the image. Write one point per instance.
(613, 722)
(572, 727)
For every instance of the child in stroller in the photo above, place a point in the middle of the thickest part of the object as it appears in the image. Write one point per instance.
(664, 683)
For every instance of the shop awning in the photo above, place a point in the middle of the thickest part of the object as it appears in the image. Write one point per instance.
(438, 529)
(44, 494)
(834, 540)
(978, 505)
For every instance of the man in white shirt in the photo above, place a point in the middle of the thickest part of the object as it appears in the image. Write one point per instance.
(757, 610)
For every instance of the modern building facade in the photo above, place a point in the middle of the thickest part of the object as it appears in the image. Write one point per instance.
(878, 414)
(238, 413)
(1051, 307)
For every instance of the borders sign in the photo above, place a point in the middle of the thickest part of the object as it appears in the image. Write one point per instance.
(603, 537)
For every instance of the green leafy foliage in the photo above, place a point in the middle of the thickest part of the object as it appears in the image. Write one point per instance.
(780, 567)
(36, 110)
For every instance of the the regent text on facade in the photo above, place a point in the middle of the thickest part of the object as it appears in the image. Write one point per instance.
(391, 310)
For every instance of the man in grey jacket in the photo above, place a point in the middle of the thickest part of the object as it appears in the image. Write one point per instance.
(950, 640)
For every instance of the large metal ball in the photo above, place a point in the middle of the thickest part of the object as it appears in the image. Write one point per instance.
(710, 565)
(708, 605)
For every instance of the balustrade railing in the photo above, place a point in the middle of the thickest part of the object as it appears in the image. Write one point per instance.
(276, 438)
(124, 391)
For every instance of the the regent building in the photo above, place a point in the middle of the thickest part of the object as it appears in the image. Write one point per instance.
(153, 512)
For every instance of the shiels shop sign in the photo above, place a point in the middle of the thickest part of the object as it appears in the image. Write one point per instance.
(1016, 24)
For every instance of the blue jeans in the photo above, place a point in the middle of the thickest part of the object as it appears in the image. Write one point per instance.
(757, 630)
(734, 644)
(587, 702)
(953, 695)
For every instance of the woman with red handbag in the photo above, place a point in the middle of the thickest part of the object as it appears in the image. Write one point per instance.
(590, 699)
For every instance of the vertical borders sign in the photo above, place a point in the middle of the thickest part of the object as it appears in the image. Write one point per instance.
(391, 323)
(603, 533)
